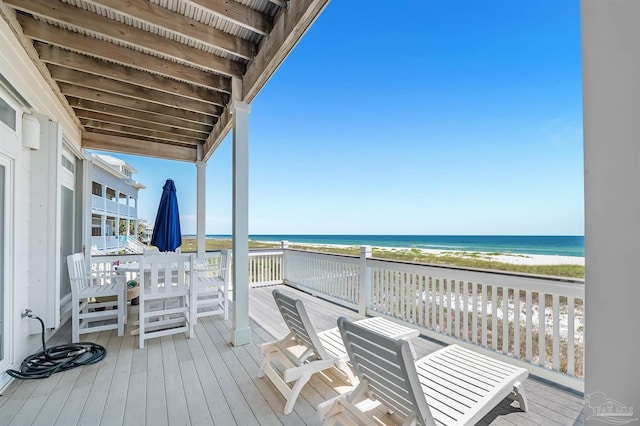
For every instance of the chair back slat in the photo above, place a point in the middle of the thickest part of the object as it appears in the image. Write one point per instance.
(224, 270)
(296, 318)
(387, 365)
(78, 272)
(166, 271)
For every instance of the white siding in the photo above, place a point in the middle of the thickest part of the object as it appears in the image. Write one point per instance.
(24, 77)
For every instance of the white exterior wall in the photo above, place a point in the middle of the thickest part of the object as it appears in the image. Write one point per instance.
(18, 70)
(611, 79)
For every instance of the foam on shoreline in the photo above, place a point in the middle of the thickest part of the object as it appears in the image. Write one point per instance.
(511, 258)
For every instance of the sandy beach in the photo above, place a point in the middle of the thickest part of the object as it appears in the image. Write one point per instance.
(512, 258)
(516, 258)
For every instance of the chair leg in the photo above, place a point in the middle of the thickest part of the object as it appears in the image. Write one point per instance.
(520, 396)
(295, 391)
(141, 329)
(121, 314)
(75, 321)
(225, 297)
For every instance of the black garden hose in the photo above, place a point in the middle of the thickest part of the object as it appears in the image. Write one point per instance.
(58, 358)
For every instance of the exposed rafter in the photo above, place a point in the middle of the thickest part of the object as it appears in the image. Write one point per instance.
(155, 77)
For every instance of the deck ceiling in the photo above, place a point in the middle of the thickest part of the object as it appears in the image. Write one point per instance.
(156, 77)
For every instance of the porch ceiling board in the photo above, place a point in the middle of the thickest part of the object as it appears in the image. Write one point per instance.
(153, 77)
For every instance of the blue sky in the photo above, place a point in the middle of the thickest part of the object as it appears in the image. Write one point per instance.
(409, 117)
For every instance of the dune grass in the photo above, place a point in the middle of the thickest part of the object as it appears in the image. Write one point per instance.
(461, 259)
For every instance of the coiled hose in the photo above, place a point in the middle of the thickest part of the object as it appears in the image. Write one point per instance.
(58, 358)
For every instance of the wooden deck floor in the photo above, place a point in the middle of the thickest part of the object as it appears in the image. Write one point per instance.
(205, 381)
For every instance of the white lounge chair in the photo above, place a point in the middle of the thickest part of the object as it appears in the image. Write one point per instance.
(452, 386)
(303, 352)
(313, 353)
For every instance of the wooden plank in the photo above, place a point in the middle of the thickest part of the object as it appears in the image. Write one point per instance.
(38, 30)
(129, 131)
(177, 410)
(91, 81)
(64, 58)
(233, 395)
(72, 409)
(120, 144)
(93, 409)
(34, 403)
(216, 392)
(86, 106)
(161, 127)
(128, 35)
(237, 13)
(212, 391)
(156, 404)
(9, 17)
(116, 401)
(181, 25)
(131, 103)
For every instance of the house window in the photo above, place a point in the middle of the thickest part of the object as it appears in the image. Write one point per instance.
(7, 115)
(96, 226)
(111, 194)
(68, 164)
(96, 189)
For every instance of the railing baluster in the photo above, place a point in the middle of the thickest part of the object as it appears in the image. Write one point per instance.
(556, 333)
(474, 326)
(516, 323)
(465, 311)
(529, 326)
(434, 295)
(483, 298)
(440, 282)
(571, 357)
(542, 346)
(456, 308)
(505, 320)
(448, 316)
(494, 317)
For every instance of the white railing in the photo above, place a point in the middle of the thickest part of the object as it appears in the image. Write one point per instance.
(265, 267)
(533, 321)
(107, 242)
(529, 320)
(334, 276)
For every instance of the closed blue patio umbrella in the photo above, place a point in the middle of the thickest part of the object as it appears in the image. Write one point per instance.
(166, 232)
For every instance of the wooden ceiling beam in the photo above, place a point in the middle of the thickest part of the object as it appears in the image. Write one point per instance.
(66, 58)
(127, 35)
(79, 104)
(112, 143)
(135, 131)
(289, 27)
(126, 102)
(78, 78)
(157, 16)
(237, 13)
(50, 34)
(132, 122)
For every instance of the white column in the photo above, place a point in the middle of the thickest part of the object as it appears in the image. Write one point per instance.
(201, 169)
(241, 333)
(611, 108)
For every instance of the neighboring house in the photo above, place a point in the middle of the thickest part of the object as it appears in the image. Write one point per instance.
(145, 230)
(114, 204)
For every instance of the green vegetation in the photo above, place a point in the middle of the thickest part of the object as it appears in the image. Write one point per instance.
(460, 259)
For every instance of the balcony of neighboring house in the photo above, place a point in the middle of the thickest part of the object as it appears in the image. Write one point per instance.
(531, 321)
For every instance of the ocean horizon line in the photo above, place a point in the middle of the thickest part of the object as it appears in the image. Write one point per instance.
(560, 245)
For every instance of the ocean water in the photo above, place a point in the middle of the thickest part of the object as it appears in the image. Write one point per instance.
(560, 245)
